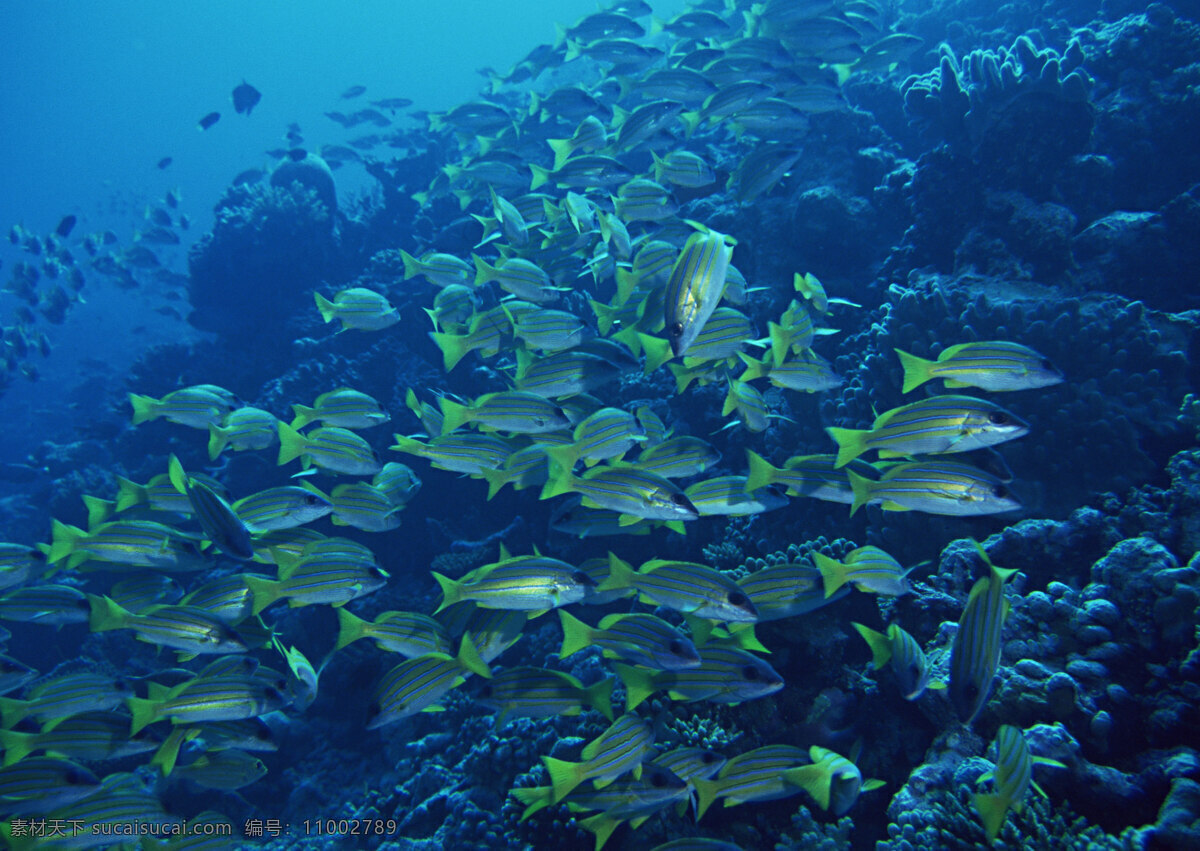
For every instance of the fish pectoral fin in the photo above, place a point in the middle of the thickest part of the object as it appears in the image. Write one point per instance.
(627, 519)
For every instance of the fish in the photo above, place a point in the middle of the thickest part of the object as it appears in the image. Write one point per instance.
(934, 487)
(164, 163)
(336, 450)
(93, 736)
(225, 770)
(639, 639)
(14, 674)
(20, 564)
(808, 373)
(1011, 778)
(755, 775)
(334, 578)
(604, 435)
(139, 543)
(522, 583)
(937, 425)
(695, 286)
(833, 781)
(678, 457)
(416, 685)
(724, 675)
(694, 589)
(868, 569)
(365, 507)
(245, 429)
(812, 476)
(185, 628)
(582, 172)
(975, 654)
(230, 697)
(282, 508)
(786, 590)
(343, 408)
(632, 493)
(408, 633)
(42, 784)
(353, 92)
(908, 661)
(217, 518)
(65, 695)
(65, 225)
(727, 496)
(542, 693)
(516, 412)
(208, 120)
(995, 365)
(635, 799)
(441, 270)
(619, 750)
(245, 97)
(227, 598)
(359, 308)
(563, 374)
(590, 135)
(197, 407)
(55, 605)
(460, 452)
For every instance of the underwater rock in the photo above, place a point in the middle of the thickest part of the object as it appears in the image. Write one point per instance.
(311, 172)
(268, 248)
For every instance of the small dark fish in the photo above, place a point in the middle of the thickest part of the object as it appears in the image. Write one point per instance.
(245, 98)
(340, 119)
(165, 161)
(172, 199)
(297, 154)
(65, 226)
(392, 103)
(208, 120)
(294, 137)
(353, 92)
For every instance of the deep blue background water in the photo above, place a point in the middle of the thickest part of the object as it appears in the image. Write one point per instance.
(94, 95)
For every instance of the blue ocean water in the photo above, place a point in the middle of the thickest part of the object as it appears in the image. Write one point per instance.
(839, 355)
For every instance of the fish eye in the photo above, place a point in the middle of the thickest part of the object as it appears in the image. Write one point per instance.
(75, 777)
(675, 647)
(1000, 491)
(677, 329)
(737, 598)
(679, 499)
(749, 673)
(708, 757)
(1047, 365)
(273, 694)
(312, 499)
(998, 418)
(658, 779)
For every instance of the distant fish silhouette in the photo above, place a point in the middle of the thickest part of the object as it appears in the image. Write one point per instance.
(392, 103)
(164, 162)
(245, 98)
(208, 120)
(65, 226)
(353, 92)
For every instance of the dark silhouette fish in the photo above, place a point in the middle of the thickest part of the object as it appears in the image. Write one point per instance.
(208, 120)
(65, 226)
(245, 98)
(353, 92)
(164, 162)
